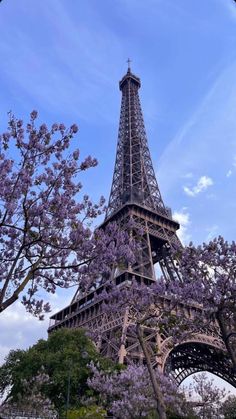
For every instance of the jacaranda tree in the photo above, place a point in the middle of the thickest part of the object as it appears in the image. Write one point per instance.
(129, 394)
(206, 282)
(45, 236)
(208, 277)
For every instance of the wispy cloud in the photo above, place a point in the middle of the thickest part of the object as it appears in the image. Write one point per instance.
(232, 169)
(62, 73)
(200, 143)
(203, 183)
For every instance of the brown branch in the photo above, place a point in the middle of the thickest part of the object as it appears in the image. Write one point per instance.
(65, 266)
(21, 287)
(8, 278)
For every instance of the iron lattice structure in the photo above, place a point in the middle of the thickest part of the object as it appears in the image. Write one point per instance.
(134, 179)
(135, 200)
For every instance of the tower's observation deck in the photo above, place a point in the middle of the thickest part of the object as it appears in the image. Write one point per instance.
(129, 77)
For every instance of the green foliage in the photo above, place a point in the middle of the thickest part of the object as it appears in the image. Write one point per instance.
(91, 412)
(66, 353)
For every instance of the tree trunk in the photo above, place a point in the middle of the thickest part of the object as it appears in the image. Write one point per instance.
(225, 336)
(161, 409)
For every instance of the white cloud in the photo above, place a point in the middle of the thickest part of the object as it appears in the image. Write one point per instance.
(203, 183)
(229, 173)
(184, 220)
(19, 329)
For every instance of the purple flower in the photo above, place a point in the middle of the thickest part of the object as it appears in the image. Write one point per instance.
(74, 128)
(33, 115)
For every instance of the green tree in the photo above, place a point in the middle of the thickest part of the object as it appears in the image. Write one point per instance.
(64, 357)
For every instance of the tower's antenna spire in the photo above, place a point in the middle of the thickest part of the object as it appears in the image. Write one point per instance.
(129, 61)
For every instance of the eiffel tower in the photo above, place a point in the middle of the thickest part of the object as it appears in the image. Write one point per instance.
(135, 199)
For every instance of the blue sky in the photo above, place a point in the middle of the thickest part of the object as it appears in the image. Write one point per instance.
(65, 58)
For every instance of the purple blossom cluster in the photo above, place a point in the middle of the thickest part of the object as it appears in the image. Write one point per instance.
(31, 401)
(203, 295)
(208, 277)
(129, 394)
(46, 239)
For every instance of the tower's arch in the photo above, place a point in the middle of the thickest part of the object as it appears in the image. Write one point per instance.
(195, 356)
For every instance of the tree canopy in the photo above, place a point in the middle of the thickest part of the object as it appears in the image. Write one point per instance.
(46, 240)
(129, 393)
(65, 354)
